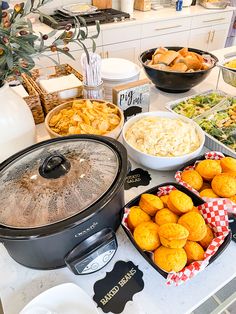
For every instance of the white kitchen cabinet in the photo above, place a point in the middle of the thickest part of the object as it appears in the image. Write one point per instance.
(76, 64)
(165, 27)
(200, 37)
(175, 39)
(218, 37)
(211, 19)
(127, 50)
(209, 38)
(119, 35)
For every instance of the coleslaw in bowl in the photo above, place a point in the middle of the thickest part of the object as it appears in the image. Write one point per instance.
(162, 140)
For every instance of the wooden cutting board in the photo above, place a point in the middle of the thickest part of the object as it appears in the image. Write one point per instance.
(102, 4)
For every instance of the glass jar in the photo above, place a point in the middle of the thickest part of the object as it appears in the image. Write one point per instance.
(93, 92)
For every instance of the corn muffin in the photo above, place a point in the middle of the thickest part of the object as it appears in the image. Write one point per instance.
(224, 185)
(146, 236)
(150, 203)
(233, 198)
(179, 202)
(164, 199)
(208, 193)
(165, 216)
(170, 260)
(208, 169)
(207, 239)
(173, 235)
(136, 216)
(228, 164)
(195, 209)
(192, 178)
(195, 224)
(194, 252)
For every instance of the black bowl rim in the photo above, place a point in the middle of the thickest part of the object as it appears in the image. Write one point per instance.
(195, 198)
(176, 47)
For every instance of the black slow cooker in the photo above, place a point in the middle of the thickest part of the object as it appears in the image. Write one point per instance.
(61, 202)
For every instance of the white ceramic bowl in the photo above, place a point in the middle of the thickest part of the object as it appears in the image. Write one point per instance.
(161, 163)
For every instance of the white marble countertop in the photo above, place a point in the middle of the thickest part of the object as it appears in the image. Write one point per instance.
(140, 17)
(18, 284)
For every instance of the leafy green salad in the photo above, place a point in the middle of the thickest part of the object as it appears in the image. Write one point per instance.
(196, 106)
(221, 124)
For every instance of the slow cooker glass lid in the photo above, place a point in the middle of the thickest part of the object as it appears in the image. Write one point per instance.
(55, 181)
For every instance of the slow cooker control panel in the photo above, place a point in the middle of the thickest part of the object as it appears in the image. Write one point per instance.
(93, 253)
(97, 260)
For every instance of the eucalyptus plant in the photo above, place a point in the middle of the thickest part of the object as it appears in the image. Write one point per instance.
(19, 44)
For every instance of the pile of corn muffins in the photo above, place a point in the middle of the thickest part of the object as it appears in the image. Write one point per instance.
(172, 228)
(213, 178)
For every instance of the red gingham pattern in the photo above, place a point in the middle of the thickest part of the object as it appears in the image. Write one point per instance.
(214, 155)
(215, 215)
(125, 218)
(165, 190)
(231, 206)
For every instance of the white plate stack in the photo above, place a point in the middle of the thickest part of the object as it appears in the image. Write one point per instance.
(117, 71)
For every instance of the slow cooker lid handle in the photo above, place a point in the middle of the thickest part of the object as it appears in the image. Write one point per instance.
(54, 166)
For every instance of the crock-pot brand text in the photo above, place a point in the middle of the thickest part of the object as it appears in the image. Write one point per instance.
(87, 230)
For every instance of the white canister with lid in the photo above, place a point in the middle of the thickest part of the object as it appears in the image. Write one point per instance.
(117, 71)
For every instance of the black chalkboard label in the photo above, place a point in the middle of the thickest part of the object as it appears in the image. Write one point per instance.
(137, 177)
(118, 287)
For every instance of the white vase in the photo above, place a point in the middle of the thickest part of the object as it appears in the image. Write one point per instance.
(17, 127)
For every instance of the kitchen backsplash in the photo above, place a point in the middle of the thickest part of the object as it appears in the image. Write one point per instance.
(50, 7)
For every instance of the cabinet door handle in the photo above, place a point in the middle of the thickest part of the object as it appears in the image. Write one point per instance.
(170, 27)
(107, 54)
(213, 35)
(208, 38)
(215, 20)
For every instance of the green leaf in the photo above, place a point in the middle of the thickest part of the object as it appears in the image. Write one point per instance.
(82, 34)
(26, 57)
(52, 33)
(65, 53)
(9, 59)
(24, 45)
(82, 21)
(94, 45)
(3, 60)
(4, 31)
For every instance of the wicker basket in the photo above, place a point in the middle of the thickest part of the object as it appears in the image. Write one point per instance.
(33, 100)
(51, 100)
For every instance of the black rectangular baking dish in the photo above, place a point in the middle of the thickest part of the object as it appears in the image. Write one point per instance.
(196, 201)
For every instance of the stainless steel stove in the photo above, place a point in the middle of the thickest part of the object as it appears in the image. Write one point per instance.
(102, 15)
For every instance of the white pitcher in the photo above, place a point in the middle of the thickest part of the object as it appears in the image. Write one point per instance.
(17, 127)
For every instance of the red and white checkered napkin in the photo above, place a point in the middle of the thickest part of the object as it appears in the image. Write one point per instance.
(209, 155)
(216, 216)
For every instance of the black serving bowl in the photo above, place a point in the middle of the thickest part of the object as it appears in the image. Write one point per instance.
(174, 82)
(196, 201)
